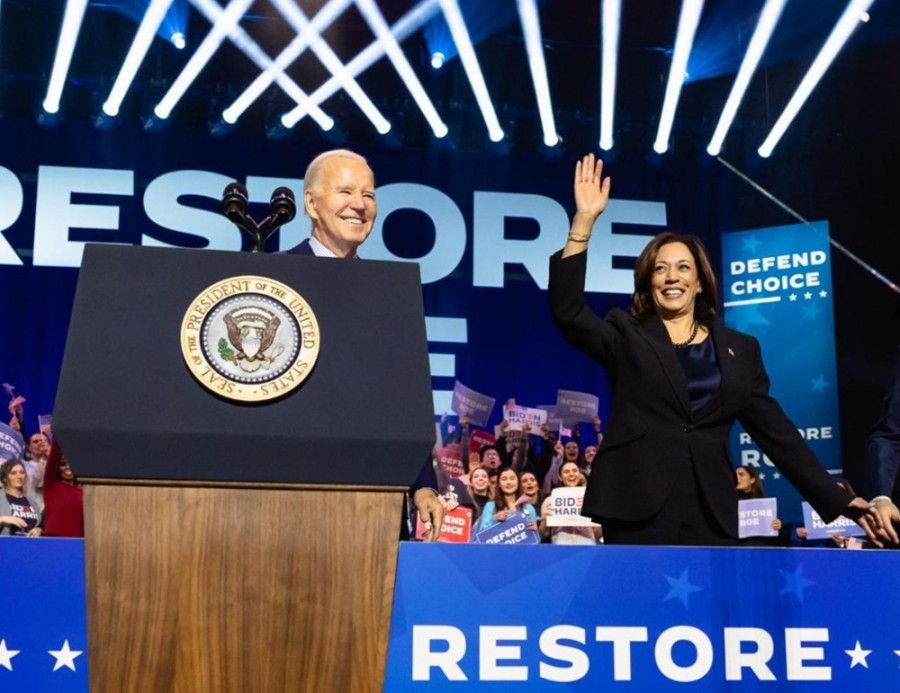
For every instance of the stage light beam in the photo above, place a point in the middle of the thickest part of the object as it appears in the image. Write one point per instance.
(531, 30)
(684, 40)
(324, 53)
(323, 19)
(612, 18)
(437, 60)
(154, 16)
(382, 31)
(768, 19)
(178, 40)
(68, 36)
(405, 26)
(832, 46)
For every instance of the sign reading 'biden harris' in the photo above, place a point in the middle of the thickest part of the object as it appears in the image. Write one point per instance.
(250, 338)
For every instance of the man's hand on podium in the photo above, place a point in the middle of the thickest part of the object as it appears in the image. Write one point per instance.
(431, 511)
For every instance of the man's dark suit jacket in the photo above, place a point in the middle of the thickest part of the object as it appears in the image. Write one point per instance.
(427, 477)
(884, 443)
(652, 433)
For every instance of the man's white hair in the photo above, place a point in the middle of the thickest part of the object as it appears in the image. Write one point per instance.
(313, 171)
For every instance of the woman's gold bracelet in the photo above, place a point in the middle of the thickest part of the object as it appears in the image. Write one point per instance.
(579, 239)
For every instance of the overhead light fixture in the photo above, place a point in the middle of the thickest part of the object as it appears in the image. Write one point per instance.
(768, 18)
(531, 29)
(437, 60)
(848, 21)
(684, 40)
(178, 40)
(612, 18)
(154, 16)
(68, 36)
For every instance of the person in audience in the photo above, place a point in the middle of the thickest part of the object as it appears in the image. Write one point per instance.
(63, 498)
(749, 485)
(531, 488)
(569, 476)
(680, 380)
(508, 499)
(479, 491)
(35, 466)
(19, 516)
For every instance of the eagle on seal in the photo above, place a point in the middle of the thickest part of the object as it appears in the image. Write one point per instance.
(249, 342)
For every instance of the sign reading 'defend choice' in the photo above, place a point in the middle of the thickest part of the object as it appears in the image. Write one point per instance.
(818, 529)
(512, 531)
(755, 517)
(12, 445)
(450, 459)
(467, 402)
(777, 287)
(456, 527)
(572, 407)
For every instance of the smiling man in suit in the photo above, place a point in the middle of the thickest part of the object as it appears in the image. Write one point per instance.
(339, 199)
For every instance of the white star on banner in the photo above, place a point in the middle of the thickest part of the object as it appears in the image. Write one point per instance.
(65, 657)
(858, 656)
(823, 293)
(807, 295)
(793, 297)
(6, 655)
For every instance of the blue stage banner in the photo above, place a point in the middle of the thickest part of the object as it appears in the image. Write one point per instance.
(777, 287)
(572, 618)
(43, 622)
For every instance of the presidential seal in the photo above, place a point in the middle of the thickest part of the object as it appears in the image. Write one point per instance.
(250, 338)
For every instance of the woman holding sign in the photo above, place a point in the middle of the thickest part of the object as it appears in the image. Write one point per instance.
(680, 379)
(570, 476)
(508, 499)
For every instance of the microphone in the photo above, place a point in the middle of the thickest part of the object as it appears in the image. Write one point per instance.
(282, 209)
(234, 203)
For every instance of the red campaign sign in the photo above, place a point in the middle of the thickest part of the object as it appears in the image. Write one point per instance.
(450, 460)
(456, 527)
(479, 439)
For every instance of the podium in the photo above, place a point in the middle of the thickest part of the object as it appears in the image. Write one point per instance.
(232, 545)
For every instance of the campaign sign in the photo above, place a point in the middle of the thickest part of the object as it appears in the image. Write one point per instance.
(12, 445)
(467, 402)
(819, 530)
(456, 527)
(644, 619)
(777, 287)
(573, 406)
(43, 630)
(478, 439)
(513, 531)
(566, 503)
(450, 459)
(755, 517)
(519, 416)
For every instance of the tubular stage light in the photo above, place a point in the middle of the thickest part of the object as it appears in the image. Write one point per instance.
(531, 29)
(68, 35)
(612, 17)
(764, 28)
(684, 40)
(833, 44)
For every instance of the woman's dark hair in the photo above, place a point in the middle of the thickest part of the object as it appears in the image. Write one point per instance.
(6, 468)
(757, 490)
(642, 306)
(499, 499)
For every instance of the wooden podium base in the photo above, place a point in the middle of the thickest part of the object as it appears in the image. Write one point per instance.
(251, 590)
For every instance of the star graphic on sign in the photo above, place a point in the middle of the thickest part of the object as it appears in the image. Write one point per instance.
(823, 293)
(6, 655)
(744, 316)
(776, 475)
(811, 311)
(819, 384)
(897, 652)
(807, 295)
(858, 656)
(795, 582)
(793, 297)
(762, 475)
(750, 243)
(681, 588)
(65, 657)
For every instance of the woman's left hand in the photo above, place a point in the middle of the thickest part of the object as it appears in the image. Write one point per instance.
(862, 513)
(36, 532)
(532, 525)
